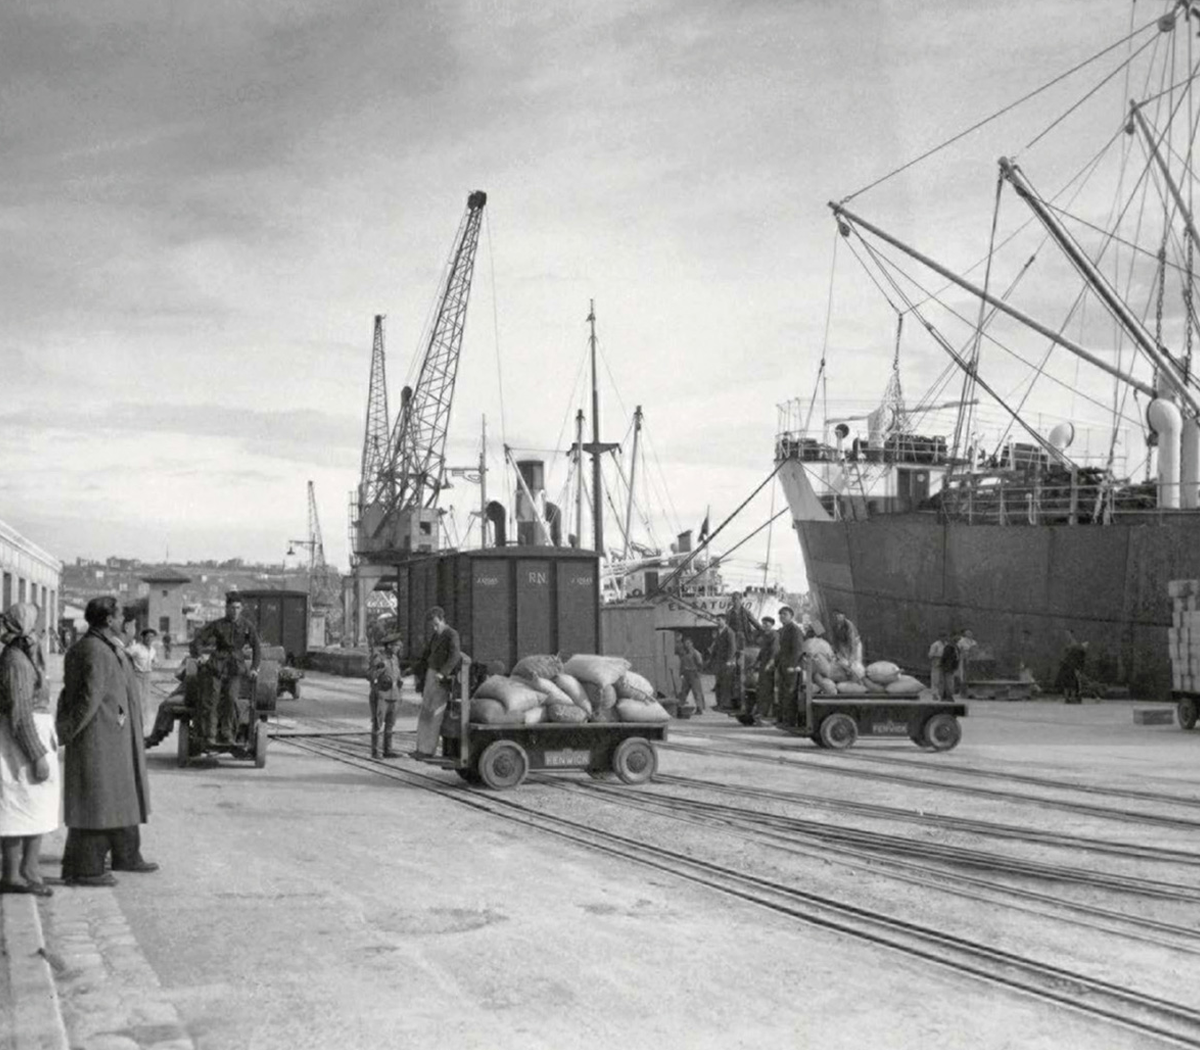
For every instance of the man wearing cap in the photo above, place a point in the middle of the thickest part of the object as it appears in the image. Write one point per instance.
(222, 669)
(436, 668)
(384, 675)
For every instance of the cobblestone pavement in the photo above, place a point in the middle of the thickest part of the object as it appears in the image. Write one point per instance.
(111, 998)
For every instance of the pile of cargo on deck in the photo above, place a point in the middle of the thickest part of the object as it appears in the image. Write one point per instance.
(837, 676)
(1183, 637)
(587, 688)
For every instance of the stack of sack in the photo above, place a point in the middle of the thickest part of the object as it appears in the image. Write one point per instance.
(832, 677)
(588, 688)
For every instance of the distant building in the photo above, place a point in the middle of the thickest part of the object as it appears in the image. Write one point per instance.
(164, 608)
(30, 575)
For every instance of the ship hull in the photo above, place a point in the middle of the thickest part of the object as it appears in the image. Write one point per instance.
(906, 579)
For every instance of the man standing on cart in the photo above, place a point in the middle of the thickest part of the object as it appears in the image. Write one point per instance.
(787, 666)
(221, 673)
(434, 672)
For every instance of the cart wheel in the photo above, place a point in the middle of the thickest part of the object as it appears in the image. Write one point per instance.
(260, 745)
(182, 743)
(503, 764)
(838, 731)
(942, 732)
(295, 690)
(1185, 711)
(916, 737)
(635, 760)
(470, 774)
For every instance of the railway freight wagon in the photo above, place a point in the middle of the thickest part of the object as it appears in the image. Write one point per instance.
(281, 618)
(505, 603)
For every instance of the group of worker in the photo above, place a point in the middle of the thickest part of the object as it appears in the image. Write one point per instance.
(776, 668)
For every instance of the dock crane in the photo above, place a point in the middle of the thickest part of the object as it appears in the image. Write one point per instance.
(398, 505)
(321, 586)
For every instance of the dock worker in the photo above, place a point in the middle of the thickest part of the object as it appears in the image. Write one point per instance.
(949, 664)
(691, 663)
(787, 667)
(847, 645)
(436, 669)
(935, 664)
(385, 678)
(222, 670)
(768, 653)
(745, 626)
(724, 655)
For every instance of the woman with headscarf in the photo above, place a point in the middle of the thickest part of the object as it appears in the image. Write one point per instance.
(30, 795)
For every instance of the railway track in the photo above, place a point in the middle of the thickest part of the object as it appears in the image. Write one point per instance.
(1129, 1008)
(842, 765)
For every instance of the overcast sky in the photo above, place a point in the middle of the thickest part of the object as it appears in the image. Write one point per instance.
(204, 204)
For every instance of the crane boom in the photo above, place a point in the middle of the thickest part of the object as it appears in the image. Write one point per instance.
(414, 476)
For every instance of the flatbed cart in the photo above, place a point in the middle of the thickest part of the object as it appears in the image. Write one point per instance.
(500, 756)
(1187, 705)
(250, 738)
(836, 722)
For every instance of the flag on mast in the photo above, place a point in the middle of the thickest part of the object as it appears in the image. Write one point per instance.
(704, 526)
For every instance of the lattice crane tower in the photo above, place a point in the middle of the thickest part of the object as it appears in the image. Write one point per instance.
(403, 514)
(376, 438)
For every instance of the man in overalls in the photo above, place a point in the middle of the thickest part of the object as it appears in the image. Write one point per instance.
(221, 672)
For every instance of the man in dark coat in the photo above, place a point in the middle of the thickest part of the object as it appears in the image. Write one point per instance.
(221, 681)
(437, 667)
(764, 665)
(106, 794)
(787, 664)
(724, 655)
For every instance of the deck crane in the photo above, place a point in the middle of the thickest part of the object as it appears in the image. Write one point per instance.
(402, 516)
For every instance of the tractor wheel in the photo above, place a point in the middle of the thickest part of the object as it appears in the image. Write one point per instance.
(942, 732)
(838, 731)
(635, 760)
(260, 745)
(1185, 711)
(503, 764)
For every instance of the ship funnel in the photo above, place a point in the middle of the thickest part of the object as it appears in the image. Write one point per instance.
(1167, 423)
(499, 519)
(1189, 465)
(531, 502)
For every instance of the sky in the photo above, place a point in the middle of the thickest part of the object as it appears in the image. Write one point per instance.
(204, 205)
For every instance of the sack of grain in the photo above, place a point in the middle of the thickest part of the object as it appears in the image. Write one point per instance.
(514, 695)
(827, 686)
(608, 714)
(838, 672)
(565, 713)
(818, 647)
(600, 670)
(537, 667)
(631, 710)
(633, 684)
(904, 685)
(492, 712)
(535, 715)
(883, 671)
(550, 691)
(851, 689)
(822, 665)
(571, 685)
(601, 697)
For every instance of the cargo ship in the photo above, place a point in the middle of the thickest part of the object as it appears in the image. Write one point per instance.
(974, 511)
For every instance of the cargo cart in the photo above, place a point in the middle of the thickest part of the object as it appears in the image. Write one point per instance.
(500, 756)
(838, 721)
(179, 711)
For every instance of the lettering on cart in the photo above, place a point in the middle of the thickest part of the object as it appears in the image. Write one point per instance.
(581, 581)
(568, 757)
(487, 581)
(889, 728)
